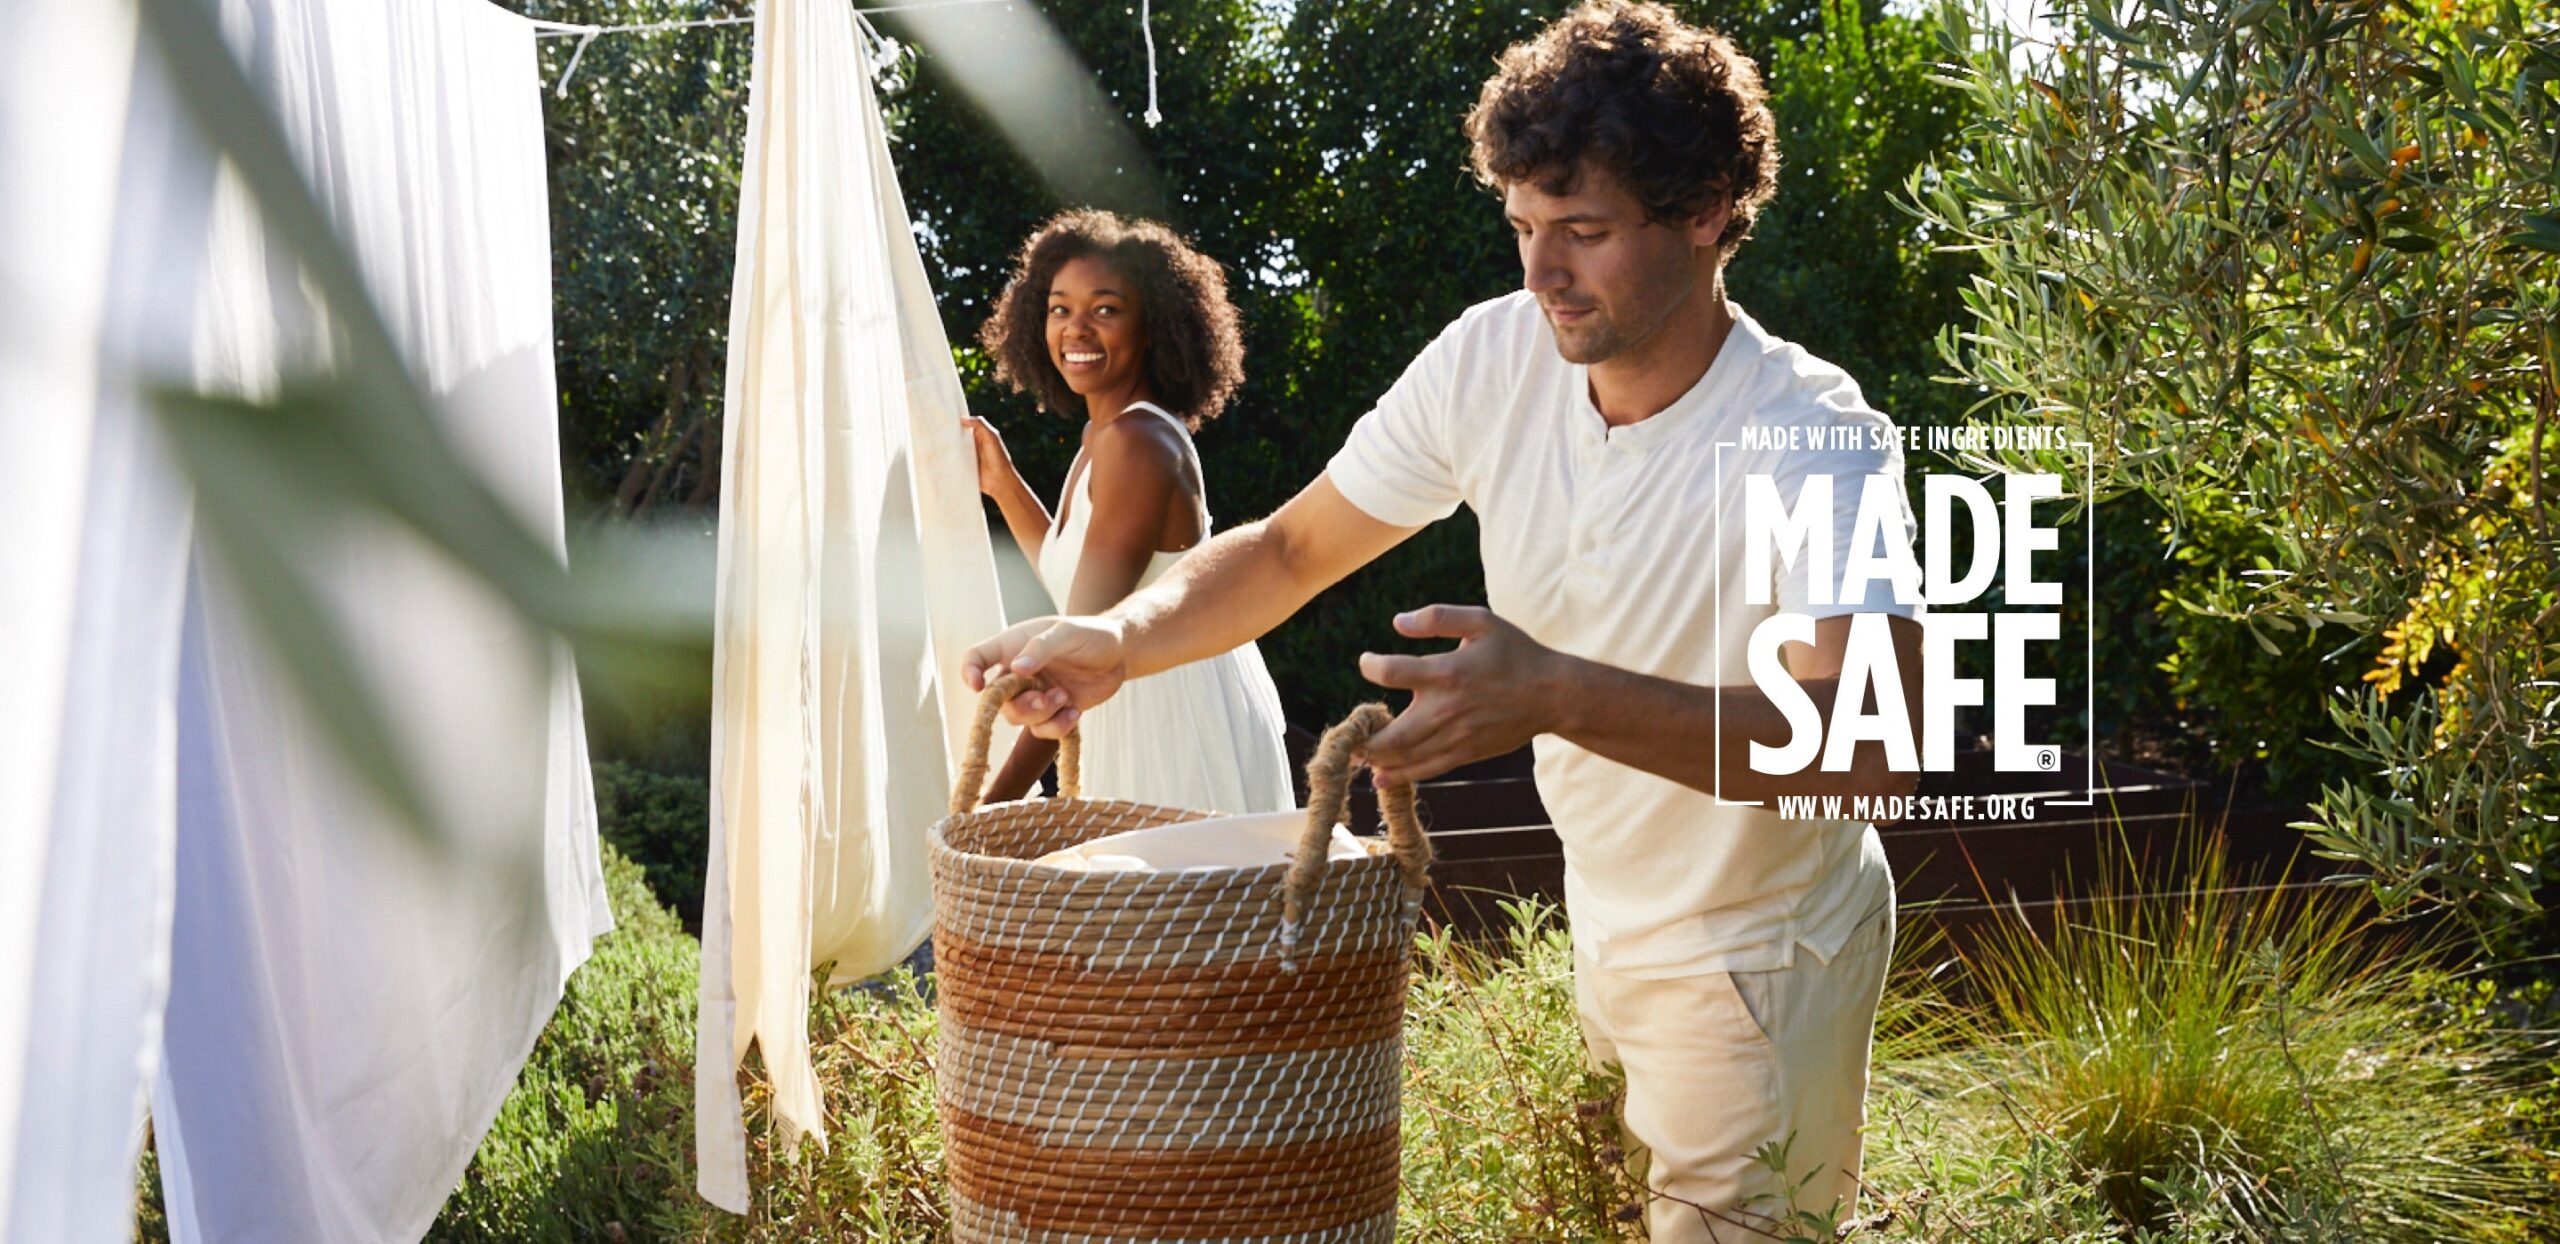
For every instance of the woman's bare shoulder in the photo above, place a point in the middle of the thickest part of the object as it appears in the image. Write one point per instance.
(1137, 445)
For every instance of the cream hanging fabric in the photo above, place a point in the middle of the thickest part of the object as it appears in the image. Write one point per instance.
(854, 569)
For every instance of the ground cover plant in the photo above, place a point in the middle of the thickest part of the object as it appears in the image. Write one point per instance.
(2209, 1063)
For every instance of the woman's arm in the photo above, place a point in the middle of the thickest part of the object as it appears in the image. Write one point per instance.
(1022, 768)
(1135, 466)
(1230, 590)
(1024, 516)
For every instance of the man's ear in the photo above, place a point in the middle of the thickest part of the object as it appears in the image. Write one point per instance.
(1708, 228)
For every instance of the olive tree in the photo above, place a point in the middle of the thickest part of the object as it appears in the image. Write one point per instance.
(2289, 266)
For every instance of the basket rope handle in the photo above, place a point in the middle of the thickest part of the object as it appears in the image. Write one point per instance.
(1328, 802)
(982, 733)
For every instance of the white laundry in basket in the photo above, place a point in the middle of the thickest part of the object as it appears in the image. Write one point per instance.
(1256, 841)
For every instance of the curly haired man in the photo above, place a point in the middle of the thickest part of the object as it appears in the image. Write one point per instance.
(1601, 422)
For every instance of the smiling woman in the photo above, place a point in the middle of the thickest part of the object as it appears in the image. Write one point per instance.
(1193, 357)
(1124, 323)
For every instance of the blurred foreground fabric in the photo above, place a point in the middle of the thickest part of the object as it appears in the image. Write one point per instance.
(327, 1005)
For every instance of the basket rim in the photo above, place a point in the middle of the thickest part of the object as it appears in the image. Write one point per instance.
(1009, 867)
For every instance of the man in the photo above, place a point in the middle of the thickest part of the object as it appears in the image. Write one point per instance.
(1596, 422)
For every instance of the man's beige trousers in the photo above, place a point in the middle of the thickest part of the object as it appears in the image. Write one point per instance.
(1723, 1063)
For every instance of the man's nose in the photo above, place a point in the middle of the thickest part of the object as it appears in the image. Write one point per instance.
(1542, 269)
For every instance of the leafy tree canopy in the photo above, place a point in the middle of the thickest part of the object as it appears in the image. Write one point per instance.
(1314, 148)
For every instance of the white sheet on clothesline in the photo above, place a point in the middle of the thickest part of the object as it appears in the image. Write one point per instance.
(346, 1013)
(346, 1017)
(92, 175)
(854, 569)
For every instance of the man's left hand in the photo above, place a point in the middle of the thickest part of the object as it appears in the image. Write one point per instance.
(1490, 695)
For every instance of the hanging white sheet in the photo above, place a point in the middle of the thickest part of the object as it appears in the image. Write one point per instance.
(347, 1010)
(97, 187)
(854, 569)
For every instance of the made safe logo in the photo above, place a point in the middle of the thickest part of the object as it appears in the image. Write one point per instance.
(2004, 531)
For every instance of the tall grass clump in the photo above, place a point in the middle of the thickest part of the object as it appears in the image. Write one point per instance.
(2211, 1062)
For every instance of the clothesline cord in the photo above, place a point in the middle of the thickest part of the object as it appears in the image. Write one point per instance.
(1147, 27)
(587, 35)
(553, 30)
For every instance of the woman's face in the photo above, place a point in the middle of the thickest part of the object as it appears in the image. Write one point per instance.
(1097, 334)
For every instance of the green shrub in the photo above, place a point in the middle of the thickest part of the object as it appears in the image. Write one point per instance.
(2261, 701)
(1507, 1133)
(2293, 271)
(596, 1142)
(661, 822)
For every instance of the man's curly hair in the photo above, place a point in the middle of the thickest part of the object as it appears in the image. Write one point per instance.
(1195, 354)
(1674, 111)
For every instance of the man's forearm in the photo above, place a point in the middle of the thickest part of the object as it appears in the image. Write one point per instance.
(1228, 592)
(1701, 737)
(1231, 590)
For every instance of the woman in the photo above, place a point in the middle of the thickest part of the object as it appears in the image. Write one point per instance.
(1122, 323)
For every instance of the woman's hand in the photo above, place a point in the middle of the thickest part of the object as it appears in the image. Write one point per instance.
(1024, 517)
(996, 476)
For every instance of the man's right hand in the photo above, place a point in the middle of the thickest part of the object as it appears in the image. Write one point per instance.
(1079, 662)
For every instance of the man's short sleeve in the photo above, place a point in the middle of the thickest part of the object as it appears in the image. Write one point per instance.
(1879, 535)
(1396, 465)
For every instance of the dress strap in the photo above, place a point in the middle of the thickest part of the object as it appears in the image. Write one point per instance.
(1171, 417)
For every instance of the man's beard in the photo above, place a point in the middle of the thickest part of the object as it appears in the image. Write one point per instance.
(1597, 339)
(1600, 337)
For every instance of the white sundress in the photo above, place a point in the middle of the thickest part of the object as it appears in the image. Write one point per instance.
(1207, 735)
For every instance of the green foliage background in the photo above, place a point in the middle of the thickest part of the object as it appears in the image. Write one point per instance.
(1312, 148)
(2141, 243)
(2294, 270)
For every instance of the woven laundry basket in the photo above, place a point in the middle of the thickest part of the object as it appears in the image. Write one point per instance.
(1210, 1055)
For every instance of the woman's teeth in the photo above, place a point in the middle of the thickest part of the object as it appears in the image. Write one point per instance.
(1084, 356)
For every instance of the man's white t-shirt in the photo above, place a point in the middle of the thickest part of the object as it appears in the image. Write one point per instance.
(1625, 546)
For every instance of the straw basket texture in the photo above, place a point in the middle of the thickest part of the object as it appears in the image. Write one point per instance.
(1151, 1056)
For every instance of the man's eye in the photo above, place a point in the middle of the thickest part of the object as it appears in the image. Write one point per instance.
(1586, 239)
